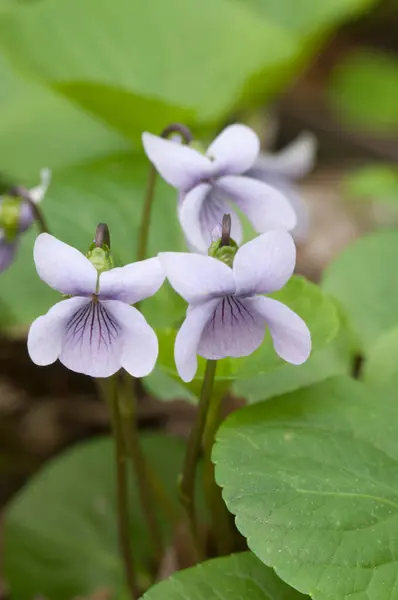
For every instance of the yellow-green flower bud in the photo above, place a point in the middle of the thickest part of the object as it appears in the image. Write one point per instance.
(10, 210)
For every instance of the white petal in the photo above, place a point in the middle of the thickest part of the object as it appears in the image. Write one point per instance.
(181, 166)
(37, 193)
(133, 282)
(140, 348)
(188, 337)
(202, 210)
(264, 206)
(63, 268)
(46, 333)
(234, 150)
(197, 278)
(232, 330)
(290, 335)
(293, 162)
(264, 264)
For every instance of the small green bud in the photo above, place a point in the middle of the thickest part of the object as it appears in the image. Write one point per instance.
(10, 210)
(224, 253)
(101, 258)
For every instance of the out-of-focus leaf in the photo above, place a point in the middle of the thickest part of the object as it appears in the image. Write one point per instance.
(364, 278)
(381, 367)
(109, 191)
(40, 128)
(373, 182)
(306, 16)
(61, 530)
(236, 577)
(364, 91)
(204, 58)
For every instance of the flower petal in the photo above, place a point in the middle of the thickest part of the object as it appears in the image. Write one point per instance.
(7, 253)
(181, 166)
(234, 150)
(263, 205)
(140, 347)
(264, 264)
(290, 335)
(63, 268)
(93, 341)
(197, 278)
(201, 211)
(293, 162)
(46, 334)
(133, 282)
(37, 193)
(188, 337)
(232, 330)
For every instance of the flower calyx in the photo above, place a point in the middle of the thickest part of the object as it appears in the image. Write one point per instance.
(99, 252)
(223, 247)
(10, 212)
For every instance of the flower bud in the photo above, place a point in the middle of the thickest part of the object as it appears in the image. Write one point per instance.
(10, 211)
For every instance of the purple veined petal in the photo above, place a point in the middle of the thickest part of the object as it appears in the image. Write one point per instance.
(63, 268)
(293, 162)
(37, 193)
(140, 348)
(181, 166)
(264, 264)
(290, 335)
(233, 329)
(264, 206)
(7, 253)
(188, 337)
(201, 211)
(133, 282)
(93, 340)
(197, 278)
(46, 334)
(234, 150)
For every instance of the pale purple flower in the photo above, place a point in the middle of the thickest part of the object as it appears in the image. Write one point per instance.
(227, 313)
(8, 247)
(282, 169)
(209, 183)
(96, 331)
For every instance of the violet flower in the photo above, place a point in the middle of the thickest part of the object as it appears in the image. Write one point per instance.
(22, 216)
(227, 315)
(96, 331)
(208, 183)
(282, 169)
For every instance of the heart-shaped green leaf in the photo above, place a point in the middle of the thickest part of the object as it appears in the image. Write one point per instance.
(237, 577)
(312, 478)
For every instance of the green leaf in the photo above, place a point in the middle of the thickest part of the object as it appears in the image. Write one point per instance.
(306, 17)
(111, 191)
(381, 367)
(364, 279)
(373, 182)
(61, 532)
(176, 52)
(312, 479)
(364, 91)
(39, 128)
(237, 577)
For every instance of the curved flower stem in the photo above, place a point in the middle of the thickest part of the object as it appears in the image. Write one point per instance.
(188, 477)
(150, 190)
(127, 405)
(36, 210)
(122, 489)
(222, 524)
